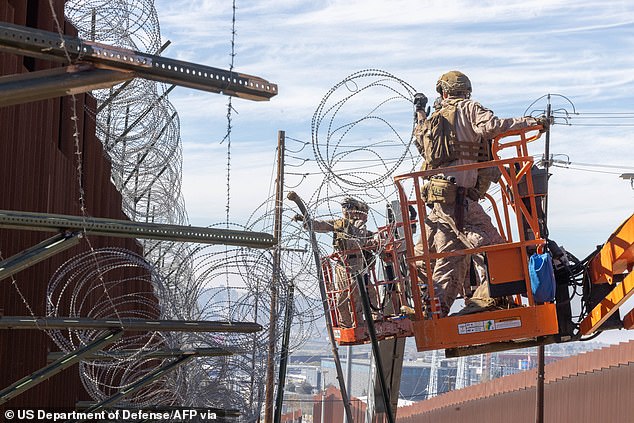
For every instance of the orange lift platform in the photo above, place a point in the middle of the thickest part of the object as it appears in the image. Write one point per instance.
(604, 277)
(386, 289)
(393, 284)
(518, 222)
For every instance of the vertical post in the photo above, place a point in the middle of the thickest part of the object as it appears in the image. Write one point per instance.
(277, 231)
(348, 375)
(375, 348)
(254, 353)
(324, 299)
(539, 388)
(547, 164)
(93, 24)
(288, 320)
(323, 396)
(539, 404)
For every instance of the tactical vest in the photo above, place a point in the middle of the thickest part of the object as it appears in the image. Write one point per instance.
(438, 143)
(343, 231)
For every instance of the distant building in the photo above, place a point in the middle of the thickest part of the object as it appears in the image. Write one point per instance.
(414, 379)
(304, 374)
(449, 374)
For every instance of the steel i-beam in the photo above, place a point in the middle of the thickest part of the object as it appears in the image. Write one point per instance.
(167, 353)
(33, 42)
(128, 229)
(38, 253)
(136, 325)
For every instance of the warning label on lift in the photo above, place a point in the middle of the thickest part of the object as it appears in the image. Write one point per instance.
(487, 325)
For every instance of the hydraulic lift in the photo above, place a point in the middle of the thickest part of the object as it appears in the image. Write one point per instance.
(604, 278)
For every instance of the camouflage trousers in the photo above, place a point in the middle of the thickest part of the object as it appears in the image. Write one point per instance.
(450, 275)
(348, 299)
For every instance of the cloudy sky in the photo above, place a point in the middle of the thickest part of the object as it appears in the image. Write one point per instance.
(514, 52)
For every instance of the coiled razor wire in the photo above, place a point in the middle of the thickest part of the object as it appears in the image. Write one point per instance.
(346, 154)
(124, 23)
(361, 137)
(109, 284)
(139, 129)
(140, 132)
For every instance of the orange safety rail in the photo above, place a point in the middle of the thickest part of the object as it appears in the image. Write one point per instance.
(386, 294)
(507, 262)
(616, 257)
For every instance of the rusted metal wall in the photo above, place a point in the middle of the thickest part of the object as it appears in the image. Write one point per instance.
(594, 386)
(333, 407)
(38, 170)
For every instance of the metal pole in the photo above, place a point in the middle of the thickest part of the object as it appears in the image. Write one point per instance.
(539, 404)
(288, 320)
(277, 232)
(58, 366)
(324, 300)
(547, 165)
(323, 396)
(348, 373)
(375, 348)
(539, 401)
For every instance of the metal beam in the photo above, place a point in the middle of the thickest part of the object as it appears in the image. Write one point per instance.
(499, 346)
(123, 86)
(146, 380)
(64, 362)
(128, 229)
(53, 46)
(138, 325)
(616, 256)
(608, 306)
(42, 85)
(38, 253)
(123, 354)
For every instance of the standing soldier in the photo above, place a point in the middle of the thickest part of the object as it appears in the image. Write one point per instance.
(458, 133)
(351, 239)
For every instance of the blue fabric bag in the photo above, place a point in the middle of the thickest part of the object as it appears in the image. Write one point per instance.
(540, 270)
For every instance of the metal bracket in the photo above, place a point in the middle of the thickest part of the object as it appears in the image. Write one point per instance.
(47, 45)
(123, 354)
(128, 229)
(38, 253)
(135, 325)
(58, 82)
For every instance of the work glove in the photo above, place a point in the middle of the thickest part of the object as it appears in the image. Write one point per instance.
(438, 103)
(545, 122)
(420, 102)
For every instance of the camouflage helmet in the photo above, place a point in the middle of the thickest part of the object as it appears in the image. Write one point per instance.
(453, 82)
(354, 204)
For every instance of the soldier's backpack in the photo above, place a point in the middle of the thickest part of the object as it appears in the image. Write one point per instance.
(437, 140)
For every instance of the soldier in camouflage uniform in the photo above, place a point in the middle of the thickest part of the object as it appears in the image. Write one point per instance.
(457, 220)
(350, 237)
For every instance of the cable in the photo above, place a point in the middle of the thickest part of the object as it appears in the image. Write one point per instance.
(587, 170)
